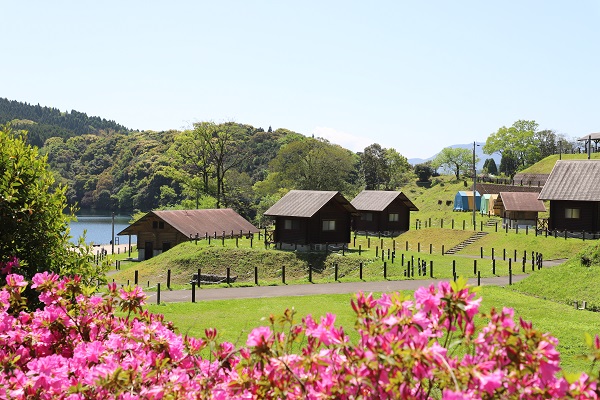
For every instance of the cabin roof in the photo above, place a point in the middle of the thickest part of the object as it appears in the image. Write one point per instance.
(306, 203)
(379, 200)
(492, 188)
(577, 180)
(594, 136)
(201, 222)
(522, 201)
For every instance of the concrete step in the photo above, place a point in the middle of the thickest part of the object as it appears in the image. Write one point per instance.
(472, 239)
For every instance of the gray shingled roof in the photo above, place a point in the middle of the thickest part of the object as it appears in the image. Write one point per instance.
(378, 200)
(492, 188)
(577, 180)
(522, 201)
(530, 179)
(306, 203)
(192, 222)
(595, 136)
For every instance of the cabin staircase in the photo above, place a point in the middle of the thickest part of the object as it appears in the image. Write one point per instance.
(476, 236)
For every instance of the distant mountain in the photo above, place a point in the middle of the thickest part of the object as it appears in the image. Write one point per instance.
(478, 152)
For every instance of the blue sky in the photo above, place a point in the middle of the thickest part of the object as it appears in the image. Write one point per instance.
(416, 76)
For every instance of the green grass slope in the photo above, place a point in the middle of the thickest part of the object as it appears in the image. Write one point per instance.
(576, 280)
(545, 166)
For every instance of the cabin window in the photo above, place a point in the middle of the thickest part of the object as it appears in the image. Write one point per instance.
(572, 213)
(291, 224)
(366, 216)
(329, 225)
(161, 225)
(154, 224)
(394, 217)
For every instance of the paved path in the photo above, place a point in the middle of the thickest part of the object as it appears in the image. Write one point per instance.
(206, 293)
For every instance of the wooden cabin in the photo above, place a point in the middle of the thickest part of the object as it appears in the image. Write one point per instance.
(307, 219)
(386, 212)
(158, 231)
(519, 209)
(573, 189)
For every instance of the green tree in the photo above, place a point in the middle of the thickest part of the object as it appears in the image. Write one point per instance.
(225, 151)
(548, 143)
(519, 140)
(399, 171)
(374, 167)
(456, 160)
(508, 164)
(34, 227)
(313, 164)
(190, 161)
(490, 166)
(424, 171)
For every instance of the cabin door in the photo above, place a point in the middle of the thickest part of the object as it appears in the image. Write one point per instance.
(148, 250)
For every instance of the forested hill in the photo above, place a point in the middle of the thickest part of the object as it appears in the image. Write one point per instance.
(107, 166)
(46, 122)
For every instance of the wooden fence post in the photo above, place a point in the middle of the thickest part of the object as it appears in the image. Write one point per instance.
(360, 271)
(384, 270)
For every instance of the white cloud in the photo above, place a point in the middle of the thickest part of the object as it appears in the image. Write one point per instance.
(344, 139)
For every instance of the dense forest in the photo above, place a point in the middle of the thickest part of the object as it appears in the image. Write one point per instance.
(109, 167)
(43, 123)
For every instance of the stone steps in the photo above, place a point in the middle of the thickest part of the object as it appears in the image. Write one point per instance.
(476, 236)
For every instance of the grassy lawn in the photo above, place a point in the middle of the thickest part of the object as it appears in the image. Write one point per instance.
(570, 282)
(422, 246)
(545, 298)
(545, 166)
(234, 319)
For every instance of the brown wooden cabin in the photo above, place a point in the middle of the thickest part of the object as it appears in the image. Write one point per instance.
(573, 189)
(386, 212)
(519, 208)
(158, 231)
(306, 219)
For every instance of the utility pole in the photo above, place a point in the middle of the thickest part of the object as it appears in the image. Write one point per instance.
(474, 189)
(112, 239)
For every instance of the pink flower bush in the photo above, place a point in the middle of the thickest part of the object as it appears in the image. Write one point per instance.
(420, 347)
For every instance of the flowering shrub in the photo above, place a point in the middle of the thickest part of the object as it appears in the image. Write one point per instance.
(422, 347)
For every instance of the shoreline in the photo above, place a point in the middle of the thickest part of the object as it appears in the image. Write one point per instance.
(119, 248)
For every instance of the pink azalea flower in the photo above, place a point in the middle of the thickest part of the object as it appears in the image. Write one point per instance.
(259, 337)
(7, 267)
(16, 281)
(42, 278)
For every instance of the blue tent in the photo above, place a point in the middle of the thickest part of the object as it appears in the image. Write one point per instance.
(464, 201)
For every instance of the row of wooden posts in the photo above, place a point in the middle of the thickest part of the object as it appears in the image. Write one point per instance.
(344, 248)
(232, 235)
(409, 272)
(584, 235)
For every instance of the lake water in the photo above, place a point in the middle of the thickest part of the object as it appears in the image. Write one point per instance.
(98, 227)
